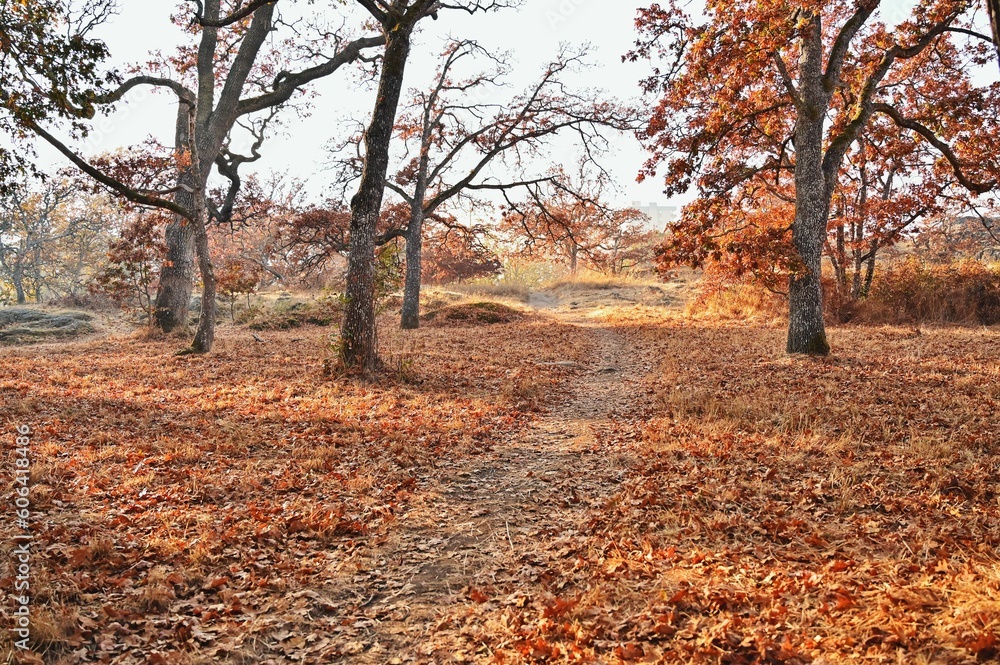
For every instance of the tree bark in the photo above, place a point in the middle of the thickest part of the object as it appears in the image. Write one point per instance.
(993, 9)
(204, 337)
(806, 329)
(173, 294)
(411, 290)
(415, 236)
(358, 335)
(18, 280)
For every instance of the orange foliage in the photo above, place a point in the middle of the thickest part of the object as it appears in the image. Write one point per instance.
(780, 510)
(193, 505)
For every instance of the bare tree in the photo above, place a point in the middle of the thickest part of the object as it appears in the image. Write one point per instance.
(465, 139)
(398, 19)
(209, 107)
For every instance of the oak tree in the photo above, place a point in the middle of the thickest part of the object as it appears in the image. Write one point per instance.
(219, 79)
(398, 19)
(50, 70)
(778, 92)
(463, 138)
(575, 225)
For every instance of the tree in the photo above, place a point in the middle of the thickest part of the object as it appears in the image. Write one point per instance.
(238, 277)
(778, 92)
(456, 131)
(257, 217)
(130, 277)
(887, 187)
(455, 253)
(47, 237)
(398, 20)
(316, 235)
(49, 70)
(993, 8)
(211, 100)
(575, 225)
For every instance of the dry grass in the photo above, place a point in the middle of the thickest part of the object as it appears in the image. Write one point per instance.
(737, 302)
(503, 290)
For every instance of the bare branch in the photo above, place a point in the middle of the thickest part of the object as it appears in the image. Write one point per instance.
(112, 184)
(235, 17)
(942, 147)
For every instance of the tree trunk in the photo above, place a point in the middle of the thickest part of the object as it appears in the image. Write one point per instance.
(173, 295)
(204, 337)
(18, 280)
(573, 260)
(411, 291)
(870, 271)
(359, 341)
(806, 330)
(993, 9)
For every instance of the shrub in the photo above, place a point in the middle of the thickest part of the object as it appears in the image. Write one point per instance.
(912, 291)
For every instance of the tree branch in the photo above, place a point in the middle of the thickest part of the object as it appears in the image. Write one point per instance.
(941, 146)
(235, 17)
(182, 92)
(109, 182)
(286, 83)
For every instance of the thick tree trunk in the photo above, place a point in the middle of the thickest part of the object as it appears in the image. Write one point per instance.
(411, 291)
(359, 341)
(806, 330)
(173, 295)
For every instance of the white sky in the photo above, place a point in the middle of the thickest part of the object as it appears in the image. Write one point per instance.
(532, 33)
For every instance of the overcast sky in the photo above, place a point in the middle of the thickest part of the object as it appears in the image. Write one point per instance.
(533, 33)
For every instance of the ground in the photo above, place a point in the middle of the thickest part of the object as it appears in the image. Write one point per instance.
(598, 478)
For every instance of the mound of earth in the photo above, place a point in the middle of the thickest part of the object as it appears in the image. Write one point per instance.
(323, 313)
(476, 313)
(19, 325)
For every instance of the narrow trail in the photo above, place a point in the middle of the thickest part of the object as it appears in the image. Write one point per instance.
(487, 519)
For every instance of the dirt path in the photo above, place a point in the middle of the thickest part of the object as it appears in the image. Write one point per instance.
(486, 523)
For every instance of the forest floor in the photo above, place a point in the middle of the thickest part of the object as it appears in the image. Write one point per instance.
(597, 479)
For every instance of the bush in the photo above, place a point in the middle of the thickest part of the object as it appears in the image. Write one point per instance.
(742, 301)
(915, 292)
